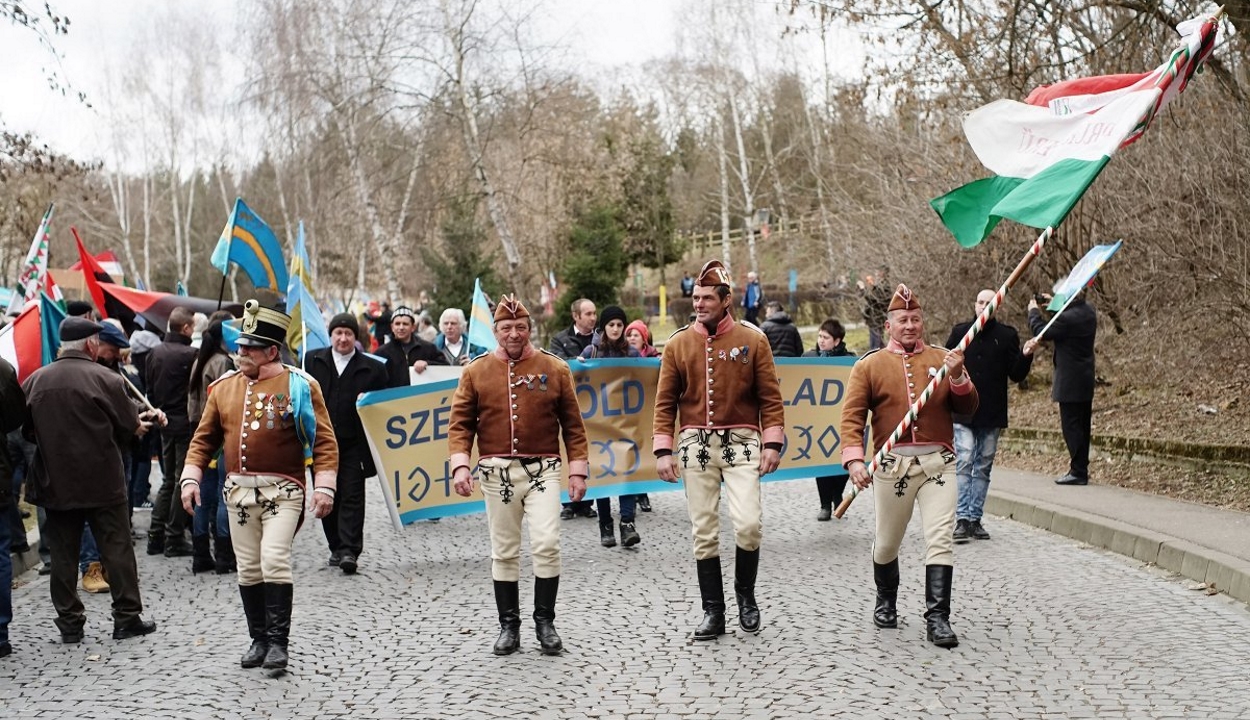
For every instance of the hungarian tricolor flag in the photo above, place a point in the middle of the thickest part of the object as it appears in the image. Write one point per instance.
(1047, 150)
(32, 339)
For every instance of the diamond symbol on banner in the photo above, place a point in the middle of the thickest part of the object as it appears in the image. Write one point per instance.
(837, 440)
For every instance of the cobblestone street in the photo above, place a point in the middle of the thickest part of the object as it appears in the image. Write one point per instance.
(1048, 629)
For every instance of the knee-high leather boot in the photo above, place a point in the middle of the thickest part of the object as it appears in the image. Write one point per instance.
(508, 602)
(278, 612)
(937, 595)
(885, 614)
(712, 591)
(545, 591)
(746, 567)
(253, 597)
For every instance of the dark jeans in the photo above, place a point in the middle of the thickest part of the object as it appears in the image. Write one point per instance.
(830, 488)
(140, 472)
(21, 455)
(111, 527)
(344, 527)
(167, 512)
(211, 513)
(628, 503)
(1075, 419)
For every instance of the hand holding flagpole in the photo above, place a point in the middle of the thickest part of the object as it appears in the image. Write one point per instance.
(976, 328)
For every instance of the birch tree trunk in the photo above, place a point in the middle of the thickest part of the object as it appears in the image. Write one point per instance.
(385, 244)
(744, 176)
(722, 167)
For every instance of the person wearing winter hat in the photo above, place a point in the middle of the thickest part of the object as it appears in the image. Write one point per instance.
(639, 337)
(344, 374)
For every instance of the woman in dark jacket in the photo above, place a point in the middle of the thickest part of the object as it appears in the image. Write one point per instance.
(829, 343)
(609, 342)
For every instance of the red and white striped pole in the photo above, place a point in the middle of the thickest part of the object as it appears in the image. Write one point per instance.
(976, 328)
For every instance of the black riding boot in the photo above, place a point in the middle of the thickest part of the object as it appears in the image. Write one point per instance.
(712, 591)
(545, 591)
(201, 554)
(507, 601)
(937, 595)
(885, 614)
(746, 566)
(254, 609)
(223, 560)
(278, 612)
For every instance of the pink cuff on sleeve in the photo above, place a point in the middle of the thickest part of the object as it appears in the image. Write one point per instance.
(962, 388)
(852, 453)
(775, 434)
(458, 460)
(325, 479)
(579, 467)
(662, 442)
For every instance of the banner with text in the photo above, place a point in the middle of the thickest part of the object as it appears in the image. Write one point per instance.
(407, 432)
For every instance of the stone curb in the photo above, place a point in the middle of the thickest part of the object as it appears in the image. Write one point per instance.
(1225, 573)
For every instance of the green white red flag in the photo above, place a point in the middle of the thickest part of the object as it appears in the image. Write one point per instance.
(1045, 152)
(34, 268)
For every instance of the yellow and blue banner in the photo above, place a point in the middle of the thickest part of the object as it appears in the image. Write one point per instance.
(248, 242)
(407, 432)
(307, 330)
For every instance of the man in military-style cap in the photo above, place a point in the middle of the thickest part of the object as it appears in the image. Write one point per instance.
(517, 403)
(719, 420)
(920, 470)
(272, 422)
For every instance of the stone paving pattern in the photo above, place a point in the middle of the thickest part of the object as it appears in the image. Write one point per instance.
(1049, 628)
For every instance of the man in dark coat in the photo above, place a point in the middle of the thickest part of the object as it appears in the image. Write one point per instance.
(1073, 334)
(992, 359)
(572, 341)
(80, 418)
(168, 374)
(12, 414)
(783, 336)
(344, 375)
(407, 350)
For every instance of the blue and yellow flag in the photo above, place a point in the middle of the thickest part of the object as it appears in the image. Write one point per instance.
(248, 242)
(307, 322)
(481, 322)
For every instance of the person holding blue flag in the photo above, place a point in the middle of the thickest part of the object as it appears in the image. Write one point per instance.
(272, 422)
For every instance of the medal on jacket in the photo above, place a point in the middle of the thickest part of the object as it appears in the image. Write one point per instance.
(721, 354)
(542, 383)
(744, 354)
(733, 354)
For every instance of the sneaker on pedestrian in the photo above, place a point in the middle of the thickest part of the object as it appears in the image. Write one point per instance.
(336, 557)
(961, 531)
(145, 505)
(588, 512)
(826, 512)
(45, 568)
(978, 530)
(93, 580)
(566, 513)
(644, 503)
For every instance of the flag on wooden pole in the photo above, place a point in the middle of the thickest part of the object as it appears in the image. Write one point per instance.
(30, 280)
(1046, 151)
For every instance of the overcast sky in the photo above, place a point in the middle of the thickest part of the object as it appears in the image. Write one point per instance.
(607, 40)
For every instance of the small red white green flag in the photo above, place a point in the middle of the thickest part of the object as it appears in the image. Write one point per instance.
(1047, 150)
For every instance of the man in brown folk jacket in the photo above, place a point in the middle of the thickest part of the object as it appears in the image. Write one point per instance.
(920, 470)
(518, 402)
(719, 376)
